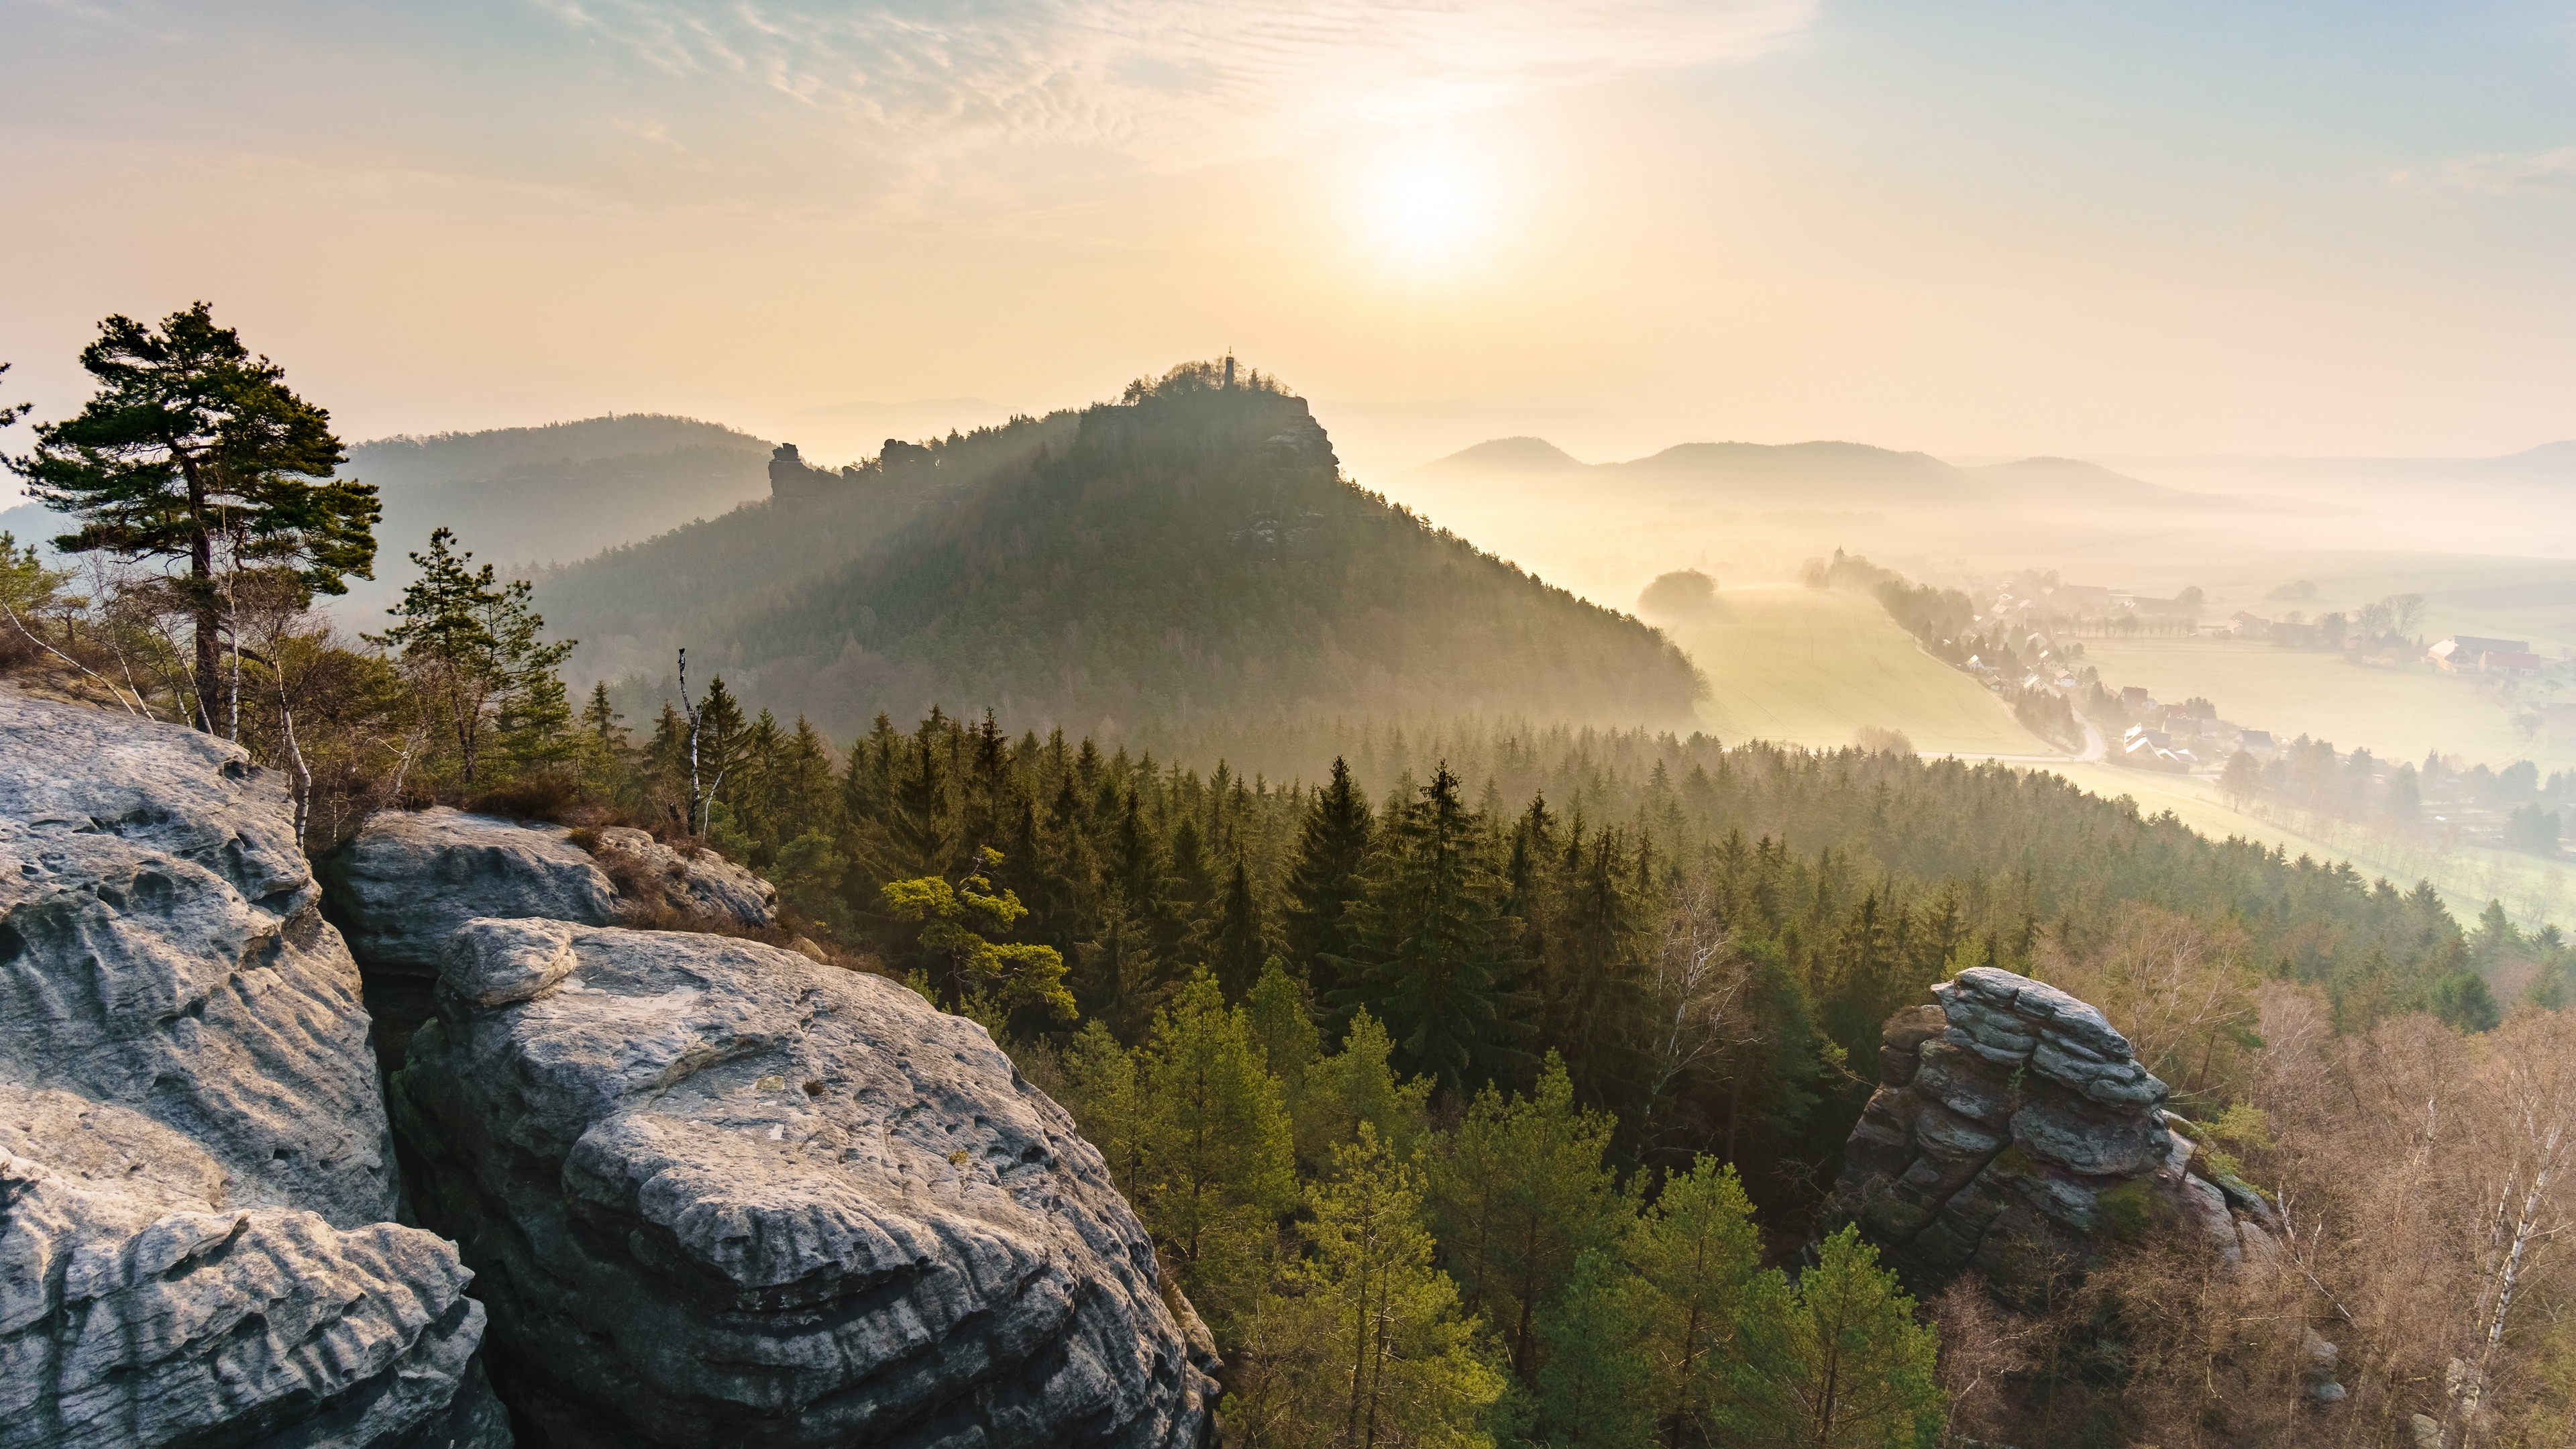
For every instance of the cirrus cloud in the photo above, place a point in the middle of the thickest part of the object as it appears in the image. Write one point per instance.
(1180, 80)
(2511, 174)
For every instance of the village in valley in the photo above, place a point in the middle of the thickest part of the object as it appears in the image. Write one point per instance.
(2043, 636)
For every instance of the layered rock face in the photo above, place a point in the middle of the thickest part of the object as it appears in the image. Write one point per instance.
(2014, 1128)
(408, 879)
(719, 1194)
(195, 1171)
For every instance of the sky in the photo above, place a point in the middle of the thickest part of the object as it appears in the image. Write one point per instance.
(1980, 229)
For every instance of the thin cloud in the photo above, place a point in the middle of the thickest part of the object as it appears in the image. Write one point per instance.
(1183, 81)
(2532, 173)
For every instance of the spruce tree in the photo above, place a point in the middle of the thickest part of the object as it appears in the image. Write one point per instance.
(193, 451)
(1236, 948)
(1437, 956)
(1324, 880)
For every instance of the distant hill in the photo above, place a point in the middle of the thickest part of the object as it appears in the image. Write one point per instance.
(436, 459)
(520, 497)
(1819, 476)
(1189, 554)
(1507, 455)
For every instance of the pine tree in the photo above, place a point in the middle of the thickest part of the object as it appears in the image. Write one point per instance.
(1519, 1195)
(1325, 880)
(195, 452)
(1694, 1251)
(1356, 1087)
(1283, 1024)
(474, 646)
(1224, 1168)
(1591, 1388)
(1398, 1359)
(1835, 1362)
(1106, 1099)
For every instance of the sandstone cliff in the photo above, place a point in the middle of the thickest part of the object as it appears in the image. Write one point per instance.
(2012, 1131)
(718, 1193)
(195, 1171)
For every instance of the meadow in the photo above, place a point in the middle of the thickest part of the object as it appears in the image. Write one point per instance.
(2397, 714)
(2533, 890)
(1813, 666)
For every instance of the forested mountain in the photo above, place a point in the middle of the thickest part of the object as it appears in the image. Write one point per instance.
(1191, 551)
(552, 494)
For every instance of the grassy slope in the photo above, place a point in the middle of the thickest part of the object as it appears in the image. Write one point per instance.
(2398, 714)
(1811, 666)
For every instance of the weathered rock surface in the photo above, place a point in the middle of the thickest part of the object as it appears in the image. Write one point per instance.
(719, 1194)
(137, 1308)
(2012, 1130)
(408, 879)
(160, 948)
(194, 1161)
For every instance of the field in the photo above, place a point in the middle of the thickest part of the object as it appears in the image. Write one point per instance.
(1812, 666)
(2533, 890)
(2398, 714)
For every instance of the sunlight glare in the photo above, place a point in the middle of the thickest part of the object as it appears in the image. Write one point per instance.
(1430, 208)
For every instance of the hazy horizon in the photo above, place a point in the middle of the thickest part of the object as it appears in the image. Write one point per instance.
(2307, 232)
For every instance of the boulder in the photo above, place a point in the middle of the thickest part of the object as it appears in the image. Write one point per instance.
(408, 879)
(2013, 1129)
(138, 1308)
(195, 1169)
(720, 1194)
(161, 949)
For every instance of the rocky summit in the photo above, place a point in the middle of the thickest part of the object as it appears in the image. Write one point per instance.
(718, 1194)
(2012, 1131)
(196, 1182)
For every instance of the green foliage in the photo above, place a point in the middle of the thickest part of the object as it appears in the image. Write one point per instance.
(1220, 1166)
(1519, 1193)
(1324, 880)
(195, 452)
(474, 647)
(27, 587)
(1695, 1250)
(2125, 1211)
(1436, 954)
(955, 920)
(1836, 1361)
(1355, 1087)
(1364, 1342)
(1591, 1387)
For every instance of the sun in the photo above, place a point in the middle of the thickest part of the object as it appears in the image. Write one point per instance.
(1430, 208)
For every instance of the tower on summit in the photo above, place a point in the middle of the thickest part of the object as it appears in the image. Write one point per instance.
(1229, 369)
